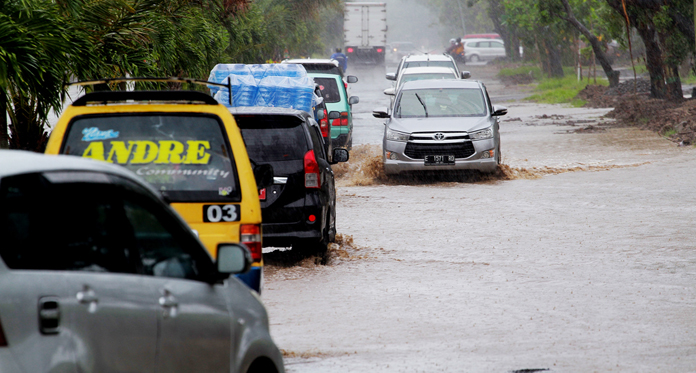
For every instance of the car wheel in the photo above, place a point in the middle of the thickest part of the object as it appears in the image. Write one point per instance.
(332, 227)
(474, 58)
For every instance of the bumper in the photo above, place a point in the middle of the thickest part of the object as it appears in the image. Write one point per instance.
(285, 234)
(404, 163)
(253, 279)
(341, 141)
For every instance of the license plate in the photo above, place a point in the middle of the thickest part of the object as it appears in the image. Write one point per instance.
(437, 160)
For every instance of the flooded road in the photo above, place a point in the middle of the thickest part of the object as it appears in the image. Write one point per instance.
(590, 265)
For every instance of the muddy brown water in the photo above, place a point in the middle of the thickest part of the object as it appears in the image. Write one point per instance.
(584, 261)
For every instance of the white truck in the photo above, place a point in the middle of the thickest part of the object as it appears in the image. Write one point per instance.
(365, 32)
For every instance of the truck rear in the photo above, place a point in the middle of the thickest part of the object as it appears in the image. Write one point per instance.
(365, 32)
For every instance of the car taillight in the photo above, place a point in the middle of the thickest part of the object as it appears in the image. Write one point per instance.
(311, 169)
(262, 194)
(342, 120)
(349, 50)
(3, 340)
(380, 50)
(324, 125)
(250, 235)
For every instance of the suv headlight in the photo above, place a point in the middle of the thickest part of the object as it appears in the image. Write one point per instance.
(397, 136)
(482, 134)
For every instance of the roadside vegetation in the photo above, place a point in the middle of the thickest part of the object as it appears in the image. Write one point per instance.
(44, 44)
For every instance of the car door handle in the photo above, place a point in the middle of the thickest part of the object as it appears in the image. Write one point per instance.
(49, 315)
(169, 304)
(88, 296)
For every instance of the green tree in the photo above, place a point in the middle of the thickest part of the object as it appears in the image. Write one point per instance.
(35, 49)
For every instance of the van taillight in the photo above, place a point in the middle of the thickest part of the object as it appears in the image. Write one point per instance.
(311, 169)
(342, 120)
(250, 235)
(324, 124)
(3, 340)
(349, 50)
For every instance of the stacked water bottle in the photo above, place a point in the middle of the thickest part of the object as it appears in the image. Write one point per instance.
(270, 85)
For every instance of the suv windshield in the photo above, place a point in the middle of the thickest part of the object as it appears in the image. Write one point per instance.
(323, 68)
(441, 102)
(428, 63)
(412, 77)
(184, 156)
(273, 138)
(329, 89)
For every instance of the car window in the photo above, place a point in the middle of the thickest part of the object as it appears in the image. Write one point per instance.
(428, 63)
(496, 44)
(322, 68)
(317, 142)
(450, 102)
(273, 138)
(412, 77)
(163, 252)
(329, 89)
(484, 44)
(65, 226)
(185, 156)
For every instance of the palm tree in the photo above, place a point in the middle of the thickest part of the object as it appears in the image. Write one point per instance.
(34, 54)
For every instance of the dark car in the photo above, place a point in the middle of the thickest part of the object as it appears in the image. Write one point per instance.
(299, 209)
(99, 274)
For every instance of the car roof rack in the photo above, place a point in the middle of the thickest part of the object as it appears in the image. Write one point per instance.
(106, 96)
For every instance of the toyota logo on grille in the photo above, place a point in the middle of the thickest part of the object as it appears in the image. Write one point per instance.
(439, 136)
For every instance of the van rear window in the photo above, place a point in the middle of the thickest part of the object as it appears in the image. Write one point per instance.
(329, 89)
(184, 156)
(273, 138)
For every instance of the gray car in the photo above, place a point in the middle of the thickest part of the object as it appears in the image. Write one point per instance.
(98, 274)
(441, 125)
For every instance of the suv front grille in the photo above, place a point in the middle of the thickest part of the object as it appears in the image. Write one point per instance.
(459, 150)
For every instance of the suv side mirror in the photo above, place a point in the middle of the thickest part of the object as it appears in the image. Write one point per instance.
(391, 76)
(232, 258)
(353, 100)
(352, 79)
(320, 114)
(499, 111)
(466, 75)
(340, 155)
(263, 174)
(390, 92)
(380, 113)
(334, 115)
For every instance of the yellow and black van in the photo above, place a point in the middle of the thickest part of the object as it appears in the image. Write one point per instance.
(187, 146)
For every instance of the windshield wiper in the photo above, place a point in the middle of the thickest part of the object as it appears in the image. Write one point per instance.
(422, 103)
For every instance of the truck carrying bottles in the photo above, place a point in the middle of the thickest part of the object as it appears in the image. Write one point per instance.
(268, 85)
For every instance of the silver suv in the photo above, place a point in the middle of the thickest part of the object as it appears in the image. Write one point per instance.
(441, 125)
(98, 274)
(427, 60)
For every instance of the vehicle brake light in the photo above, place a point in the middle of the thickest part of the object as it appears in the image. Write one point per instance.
(3, 340)
(250, 235)
(311, 169)
(262, 194)
(342, 120)
(380, 50)
(349, 50)
(324, 125)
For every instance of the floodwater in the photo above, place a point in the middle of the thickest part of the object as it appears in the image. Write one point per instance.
(579, 256)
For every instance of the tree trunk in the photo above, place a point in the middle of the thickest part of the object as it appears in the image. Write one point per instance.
(496, 8)
(552, 56)
(653, 60)
(4, 136)
(597, 47)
